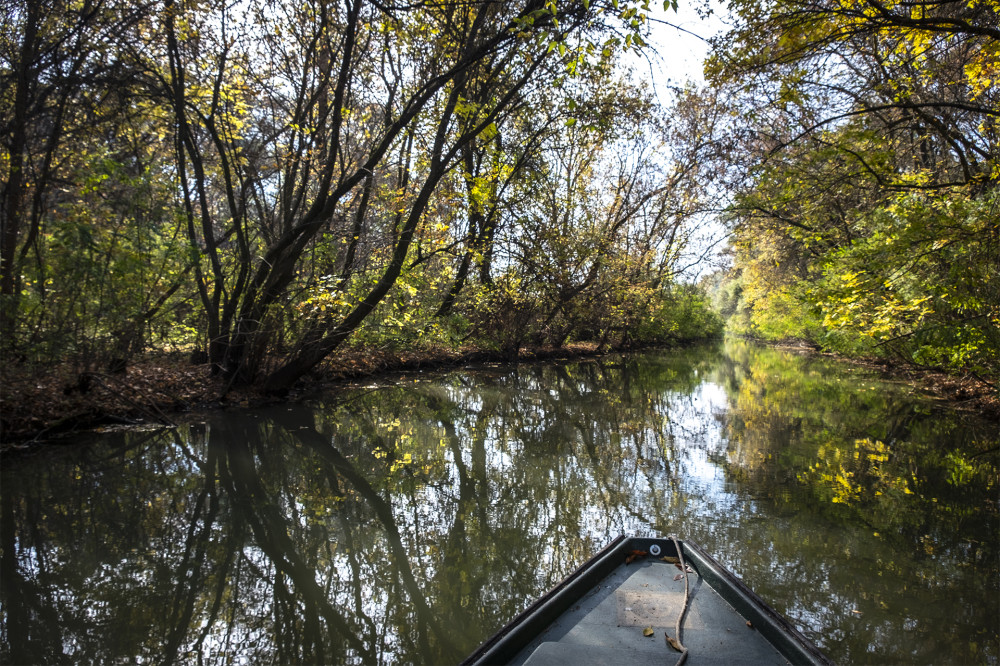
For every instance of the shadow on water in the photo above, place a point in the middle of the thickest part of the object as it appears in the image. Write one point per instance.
(405, 522)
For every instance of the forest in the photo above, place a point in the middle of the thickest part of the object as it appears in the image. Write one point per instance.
(864, 202)
(264, 185)
(219, 219)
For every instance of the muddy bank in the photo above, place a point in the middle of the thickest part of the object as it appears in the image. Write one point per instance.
(965, 393)
(39, 405)
(45, 404)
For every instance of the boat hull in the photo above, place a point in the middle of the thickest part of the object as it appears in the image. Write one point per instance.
(618, 607)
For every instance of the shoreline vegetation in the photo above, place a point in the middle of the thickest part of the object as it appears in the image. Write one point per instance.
(960, 392)
(46, 408)
(285, 189)
(43, 407)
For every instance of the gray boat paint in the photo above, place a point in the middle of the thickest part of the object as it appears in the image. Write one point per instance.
(597, 616)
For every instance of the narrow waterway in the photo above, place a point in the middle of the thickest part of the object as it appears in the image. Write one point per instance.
(406, 521)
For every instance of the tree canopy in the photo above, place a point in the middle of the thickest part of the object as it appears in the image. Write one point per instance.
(265, 181)
(866, 215)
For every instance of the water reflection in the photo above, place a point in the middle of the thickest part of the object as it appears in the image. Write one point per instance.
(405, 523)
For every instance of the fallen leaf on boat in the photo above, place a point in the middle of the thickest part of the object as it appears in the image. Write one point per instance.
(678, 576)
(648, 631)
(749, 625)
(669, 560)
(634, 555)
(672, 642)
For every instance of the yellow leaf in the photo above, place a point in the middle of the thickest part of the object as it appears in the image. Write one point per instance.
(648, 631)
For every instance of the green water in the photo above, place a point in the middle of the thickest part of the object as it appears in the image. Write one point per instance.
(405, 522)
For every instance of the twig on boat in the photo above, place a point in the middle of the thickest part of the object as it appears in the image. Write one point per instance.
(675, 643)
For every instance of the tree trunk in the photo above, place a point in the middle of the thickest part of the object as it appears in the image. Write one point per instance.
(12, 204)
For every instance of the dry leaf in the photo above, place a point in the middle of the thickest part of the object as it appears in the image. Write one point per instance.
(648, 631)
(669, 560)
(749, 625)
(634, 555)
(674, 643)
(678, 576)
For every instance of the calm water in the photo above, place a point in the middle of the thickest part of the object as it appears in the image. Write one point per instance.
(404, 523)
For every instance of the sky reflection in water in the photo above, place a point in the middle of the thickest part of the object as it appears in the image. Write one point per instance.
(405, 523)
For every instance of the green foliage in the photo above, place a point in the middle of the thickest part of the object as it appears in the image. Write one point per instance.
(267, 181)
(103, 261)
(866, 217)
(923, 282)
(683, 314)
(914, 276)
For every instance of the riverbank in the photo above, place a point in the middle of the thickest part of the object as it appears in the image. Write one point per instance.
(42, 405)
(964, 393)
(45, 404)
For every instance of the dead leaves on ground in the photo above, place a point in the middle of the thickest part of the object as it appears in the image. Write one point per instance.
(36, 401)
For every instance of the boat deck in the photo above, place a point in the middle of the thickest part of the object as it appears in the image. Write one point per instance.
(606, 625)
(599, 614)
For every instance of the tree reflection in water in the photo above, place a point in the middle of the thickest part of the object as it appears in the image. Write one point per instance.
(405, 523)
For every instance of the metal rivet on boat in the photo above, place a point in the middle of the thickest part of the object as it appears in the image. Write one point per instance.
(654, 550)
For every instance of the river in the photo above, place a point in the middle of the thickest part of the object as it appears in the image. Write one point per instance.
(407, 520)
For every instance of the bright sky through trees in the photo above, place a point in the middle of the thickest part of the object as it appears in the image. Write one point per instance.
(680, 40)
(298, 175)
(678, 45)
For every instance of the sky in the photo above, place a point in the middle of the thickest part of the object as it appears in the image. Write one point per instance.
(679, 39)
